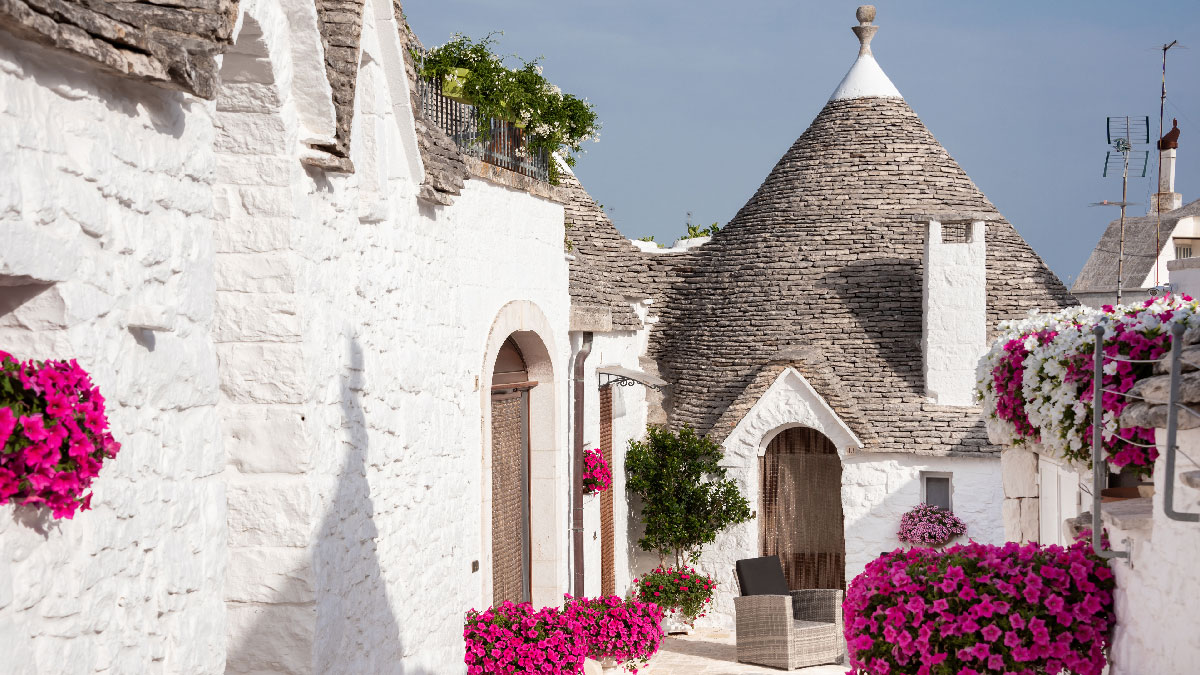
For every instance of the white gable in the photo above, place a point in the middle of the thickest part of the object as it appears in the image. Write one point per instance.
(790, 401)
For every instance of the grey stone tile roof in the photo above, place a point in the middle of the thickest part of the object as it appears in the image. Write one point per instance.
(341, 30)
(607, 270)
(1099, 273)
(826, 256)
(445, 165)
(173, 44)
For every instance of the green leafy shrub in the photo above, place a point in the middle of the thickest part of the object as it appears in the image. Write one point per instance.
(687, 500)
(554, 121)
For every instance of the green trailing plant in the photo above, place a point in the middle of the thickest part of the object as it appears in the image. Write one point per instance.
(553, 121)
(687, 500)
(697, 231)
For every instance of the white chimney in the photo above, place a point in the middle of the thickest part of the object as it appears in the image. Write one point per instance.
(954, 330)
(1167, 199)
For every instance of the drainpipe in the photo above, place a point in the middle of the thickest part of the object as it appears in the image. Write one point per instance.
(577, 464)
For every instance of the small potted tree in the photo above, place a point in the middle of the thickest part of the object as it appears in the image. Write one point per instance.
(686, 501)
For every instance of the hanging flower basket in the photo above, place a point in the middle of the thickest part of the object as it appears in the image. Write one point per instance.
(597, 476)
(454, 83)
(53, 435)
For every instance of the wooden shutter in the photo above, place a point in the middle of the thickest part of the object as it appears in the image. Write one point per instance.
(510, 519)
(608, 571)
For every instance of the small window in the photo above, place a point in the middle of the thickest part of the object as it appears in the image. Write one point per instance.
(1184, 248)
(936, 489)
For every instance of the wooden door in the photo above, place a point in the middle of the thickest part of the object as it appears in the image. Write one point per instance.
(510, 478)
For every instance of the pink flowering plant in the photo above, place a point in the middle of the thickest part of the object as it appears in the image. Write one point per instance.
(977, 609)
(512, 638)
(928, 525)
(53, 435)
(1035, 383)
(627, 631)
(597, 476)
(683, 591)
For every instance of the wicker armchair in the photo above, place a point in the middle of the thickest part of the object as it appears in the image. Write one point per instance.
(781, 628)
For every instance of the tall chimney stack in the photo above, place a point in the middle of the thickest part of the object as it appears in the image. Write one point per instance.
(954, 330)
(1167, 199)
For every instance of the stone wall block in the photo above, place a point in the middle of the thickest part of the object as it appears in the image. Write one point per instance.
(248, 97)
(262, 373)
(1029, 529)
(257, 317)
(275, 639)
(1019, 472)
(252, 134)
(243, 234)
(270, 575)
(268, 439)
(275, 511)
(257, 273)
(254, 170)
(267, 201)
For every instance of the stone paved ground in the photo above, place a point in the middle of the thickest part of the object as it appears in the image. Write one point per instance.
(714, 653)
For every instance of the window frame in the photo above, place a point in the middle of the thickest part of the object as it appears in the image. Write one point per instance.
(949, 476)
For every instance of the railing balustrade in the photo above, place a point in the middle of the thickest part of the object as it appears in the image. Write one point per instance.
(504, 146)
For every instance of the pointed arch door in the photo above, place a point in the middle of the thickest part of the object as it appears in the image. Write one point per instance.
(800, 508)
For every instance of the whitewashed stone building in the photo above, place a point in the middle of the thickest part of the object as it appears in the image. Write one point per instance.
(294, 292)
(827, 337)
(328, 337)
(1170, 231)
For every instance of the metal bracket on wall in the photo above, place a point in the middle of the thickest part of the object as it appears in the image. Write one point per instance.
(628, 377)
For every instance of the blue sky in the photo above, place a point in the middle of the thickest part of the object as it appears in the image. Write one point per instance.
(699, 99)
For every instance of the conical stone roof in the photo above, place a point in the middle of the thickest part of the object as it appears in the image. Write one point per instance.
(826, 259)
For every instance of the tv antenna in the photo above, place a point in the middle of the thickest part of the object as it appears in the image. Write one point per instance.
(1123, 134)
(1162, 102)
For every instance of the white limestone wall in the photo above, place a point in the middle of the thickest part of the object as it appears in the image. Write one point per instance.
(1155, 600)
(618, 348)
(878, 489)
(954, 314)
(105, 219)
(349, 375)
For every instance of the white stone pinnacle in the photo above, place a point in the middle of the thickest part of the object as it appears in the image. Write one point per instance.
(865, 78)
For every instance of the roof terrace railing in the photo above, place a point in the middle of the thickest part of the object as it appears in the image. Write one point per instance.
(504, 146)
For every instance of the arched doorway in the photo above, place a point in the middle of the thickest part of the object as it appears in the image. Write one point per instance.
(511, 554)
(800, 508)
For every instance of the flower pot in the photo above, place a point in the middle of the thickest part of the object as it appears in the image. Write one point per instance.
(453, 84)
(673, 624)
(1116, 494)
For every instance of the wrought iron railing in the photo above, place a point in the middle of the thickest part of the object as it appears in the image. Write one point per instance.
(504, 146)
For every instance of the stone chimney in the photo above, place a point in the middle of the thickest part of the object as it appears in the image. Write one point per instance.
(954, 328)
(1167, 199)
